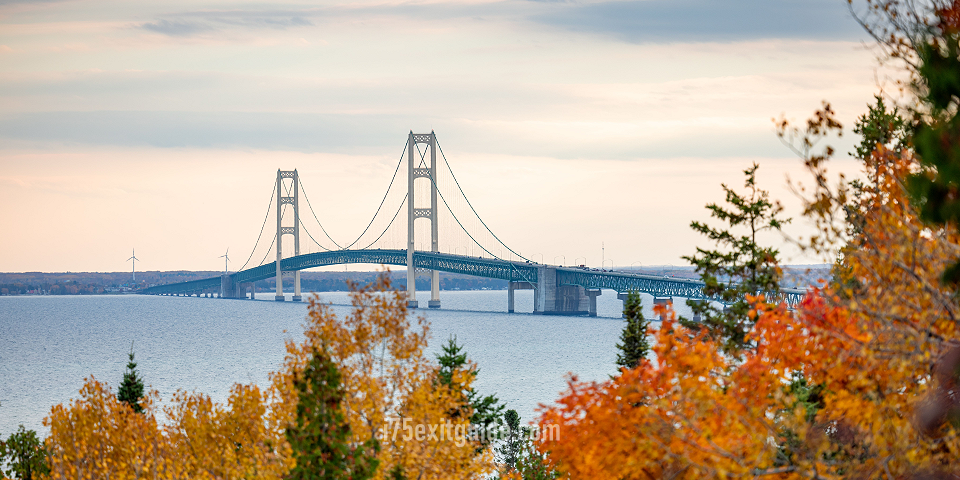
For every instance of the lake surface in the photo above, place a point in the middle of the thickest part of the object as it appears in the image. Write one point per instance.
(49, 344)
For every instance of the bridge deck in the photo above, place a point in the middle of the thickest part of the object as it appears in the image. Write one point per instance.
(476, 266)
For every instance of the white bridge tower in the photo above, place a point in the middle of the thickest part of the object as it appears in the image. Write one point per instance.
(429, 172)
(281, 230)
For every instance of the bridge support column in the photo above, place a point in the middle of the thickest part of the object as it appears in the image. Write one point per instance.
(296, 285)
(696, 316)
(434, 288)
(666, 301)
(513, 286)
(593, 294)
(623, 297)
(227, 287)
(545, 300)
(554, 299)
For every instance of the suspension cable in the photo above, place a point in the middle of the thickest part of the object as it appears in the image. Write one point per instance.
(273, 191)
(268, 251)
(314, 240)
(471, 206)
(430, 176)
(317, 219)
(389, 224)
(400, 162)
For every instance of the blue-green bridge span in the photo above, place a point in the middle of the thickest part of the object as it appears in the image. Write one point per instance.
(564, 290)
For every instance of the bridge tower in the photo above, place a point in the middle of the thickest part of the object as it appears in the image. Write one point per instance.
(429, 172)
(294, 230)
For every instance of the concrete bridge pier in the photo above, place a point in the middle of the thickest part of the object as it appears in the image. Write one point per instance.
(434, 289)
(593, 294)
(517, 286)
(665, 301)
(623, 297)
(696, 316)
(553, 299)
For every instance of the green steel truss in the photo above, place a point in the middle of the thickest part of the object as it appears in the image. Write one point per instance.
(476, 266)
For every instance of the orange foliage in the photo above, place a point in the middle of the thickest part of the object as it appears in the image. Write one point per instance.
(868, 341)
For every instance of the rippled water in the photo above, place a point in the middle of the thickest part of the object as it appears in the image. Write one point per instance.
(49, 344)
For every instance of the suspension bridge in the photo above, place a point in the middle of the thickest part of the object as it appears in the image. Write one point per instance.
(558, 290)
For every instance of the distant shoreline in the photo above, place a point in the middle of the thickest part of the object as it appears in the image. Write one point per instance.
(119, 283)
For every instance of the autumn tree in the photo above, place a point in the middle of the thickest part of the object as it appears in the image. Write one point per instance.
(739, 265)
(98, 436)
(633, 345)
(23, 455)
(131, 388)
(866, 403)
(391, 390)
(351, 385)
(320, 439)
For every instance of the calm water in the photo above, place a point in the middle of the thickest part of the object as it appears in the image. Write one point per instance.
(49, 344)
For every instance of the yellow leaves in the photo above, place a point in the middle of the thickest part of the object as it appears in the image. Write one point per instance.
(387, 381)
(214, 441)
(386, 378)
(99, 437)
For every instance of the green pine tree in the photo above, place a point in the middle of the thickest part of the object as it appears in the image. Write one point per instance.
(634, 345)
(487, 410)
(511, 448)
(739, 266)
(936, 135)
(518, 454)
(24, 456)
(131, 388)
(321, 437)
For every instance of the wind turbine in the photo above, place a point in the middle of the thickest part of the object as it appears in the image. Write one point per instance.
(134, 258)
(226, 260)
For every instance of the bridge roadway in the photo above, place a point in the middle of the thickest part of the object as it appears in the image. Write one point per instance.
(550, 282)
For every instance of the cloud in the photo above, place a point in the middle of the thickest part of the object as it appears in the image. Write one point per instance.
(364, 133)
(667, 21)
(192, 23)
(635, 21)
(20, 2)
(176, 28)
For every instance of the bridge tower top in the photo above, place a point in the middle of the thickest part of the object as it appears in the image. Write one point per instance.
(422, 165)
(288, 183)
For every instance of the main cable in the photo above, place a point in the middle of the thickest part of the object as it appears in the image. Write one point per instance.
(430, 176)
(317, 219)
(273, 191)
(471, 206)
(268, 251)
(314, 240)
(389, 224)
(400, 162)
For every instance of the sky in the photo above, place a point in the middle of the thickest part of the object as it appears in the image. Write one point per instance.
(581, 131)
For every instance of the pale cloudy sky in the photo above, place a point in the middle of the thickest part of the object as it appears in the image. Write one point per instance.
(570, 124)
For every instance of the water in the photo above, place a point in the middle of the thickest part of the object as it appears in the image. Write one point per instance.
(49, 344)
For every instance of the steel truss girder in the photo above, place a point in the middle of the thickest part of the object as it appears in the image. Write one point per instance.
(479, 267)
(650, 284)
